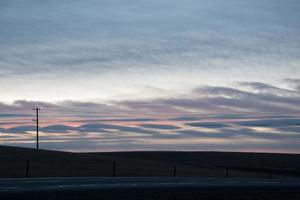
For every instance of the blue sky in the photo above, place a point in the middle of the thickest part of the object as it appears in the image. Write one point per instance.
(148, 62)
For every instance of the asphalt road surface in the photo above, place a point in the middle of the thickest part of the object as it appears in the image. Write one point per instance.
(148, 188)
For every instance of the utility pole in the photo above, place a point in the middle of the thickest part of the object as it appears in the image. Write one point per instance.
(37, 109)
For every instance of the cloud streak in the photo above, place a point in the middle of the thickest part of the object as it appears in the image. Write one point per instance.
(151, 74)
(123, 48)
(209, 113)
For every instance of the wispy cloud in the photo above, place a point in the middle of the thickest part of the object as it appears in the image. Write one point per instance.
(123, 48)
(207, 124)
(159, 126)
(151, 74)
(208, 113)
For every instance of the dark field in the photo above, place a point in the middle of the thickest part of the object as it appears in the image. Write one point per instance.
(223, 175)
(44, 163)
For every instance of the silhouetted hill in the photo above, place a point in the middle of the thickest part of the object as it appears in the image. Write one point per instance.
(261, 160)
(46, 163)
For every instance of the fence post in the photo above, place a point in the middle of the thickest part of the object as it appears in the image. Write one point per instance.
(27, 168)
(227, 172)
(174, 171)
(114, 168)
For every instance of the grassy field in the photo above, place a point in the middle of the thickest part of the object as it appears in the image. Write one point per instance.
(44, 163)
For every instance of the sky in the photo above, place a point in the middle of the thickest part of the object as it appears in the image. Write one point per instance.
(115, 75)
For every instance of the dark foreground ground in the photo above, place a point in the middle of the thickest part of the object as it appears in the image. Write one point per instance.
(23, 162)
(147, 175)
(127, 188)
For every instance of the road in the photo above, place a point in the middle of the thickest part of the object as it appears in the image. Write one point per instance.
(28, 184)
(143, 188)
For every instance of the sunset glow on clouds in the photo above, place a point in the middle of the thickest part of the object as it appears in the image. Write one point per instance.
(147, 75)
(214, 118)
